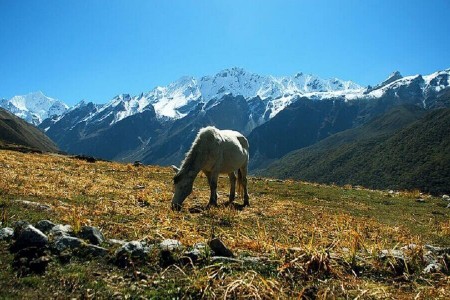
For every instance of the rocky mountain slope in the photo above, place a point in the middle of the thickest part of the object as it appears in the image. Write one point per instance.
(15, 133)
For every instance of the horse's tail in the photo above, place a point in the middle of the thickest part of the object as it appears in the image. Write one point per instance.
(240, 182)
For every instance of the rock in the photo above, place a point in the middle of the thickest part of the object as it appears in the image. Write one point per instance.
(448, 205)
(45, 226)
(219, 248)
(446, 197)
(409, 247)
(18, 227)
(137, 164)
(62, 230)
(34, 204)
(420, 200)
(6, 234)
(130, 251)
(93, 250)
(116, 242)
(433, 268)
(198, 251)
(92, 234)
(398, 254)
(135, 249)
(170, 245)
(67, 242)
(438, 250)
(30, 237)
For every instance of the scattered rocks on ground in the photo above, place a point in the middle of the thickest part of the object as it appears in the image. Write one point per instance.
(45, 226)
(219, 248)
(6, 233)
(92, 234)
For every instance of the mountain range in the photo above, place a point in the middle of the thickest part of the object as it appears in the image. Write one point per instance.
(278, 114)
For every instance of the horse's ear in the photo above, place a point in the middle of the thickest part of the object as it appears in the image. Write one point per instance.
(176, 169)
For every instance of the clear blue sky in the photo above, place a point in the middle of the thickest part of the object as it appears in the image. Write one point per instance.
(92, 49)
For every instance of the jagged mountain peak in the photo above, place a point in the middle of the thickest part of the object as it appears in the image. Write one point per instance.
(34, 107)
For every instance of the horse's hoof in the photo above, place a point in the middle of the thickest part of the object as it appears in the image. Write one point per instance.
(176, 207)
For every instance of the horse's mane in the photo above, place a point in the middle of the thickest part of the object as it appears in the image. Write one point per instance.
(195, 156)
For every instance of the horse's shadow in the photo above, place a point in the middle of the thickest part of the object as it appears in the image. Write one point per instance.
(232, 205)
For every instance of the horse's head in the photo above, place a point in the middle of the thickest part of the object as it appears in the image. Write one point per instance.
(183, 183)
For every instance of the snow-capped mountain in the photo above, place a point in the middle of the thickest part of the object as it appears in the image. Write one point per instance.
(176, 99)
(158, 126)
(34, 107)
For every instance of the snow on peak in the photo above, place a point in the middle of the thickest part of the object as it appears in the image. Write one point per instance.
(34, 107)
(174, 100)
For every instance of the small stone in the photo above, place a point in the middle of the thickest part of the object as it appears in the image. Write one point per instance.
(67, 242)
(62, 230)
(420, 200)
(438, 250)
(170, 245)
(45, 226)
(34, 204)
(446, 197)
(6, 233)
(398, 254)
(130, 251)
(448, 205)
(116, 242)
(432, 268)
(219, 248)
(137, 164)
(92, 234)
(29, 237)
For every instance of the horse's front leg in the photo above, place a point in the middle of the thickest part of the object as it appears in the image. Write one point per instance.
(213, 186)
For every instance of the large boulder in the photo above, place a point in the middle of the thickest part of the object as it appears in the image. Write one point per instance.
(29, 236)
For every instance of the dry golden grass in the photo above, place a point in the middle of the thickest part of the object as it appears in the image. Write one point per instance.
(332, 230)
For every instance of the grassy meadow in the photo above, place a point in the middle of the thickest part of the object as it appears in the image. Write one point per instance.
(316, 241)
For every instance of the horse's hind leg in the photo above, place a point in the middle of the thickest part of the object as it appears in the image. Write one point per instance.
(232, 177)
(242, 177)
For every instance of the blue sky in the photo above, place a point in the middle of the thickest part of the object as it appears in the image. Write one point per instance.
(94, 50)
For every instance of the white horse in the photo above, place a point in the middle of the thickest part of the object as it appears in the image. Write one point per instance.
(214, 152)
